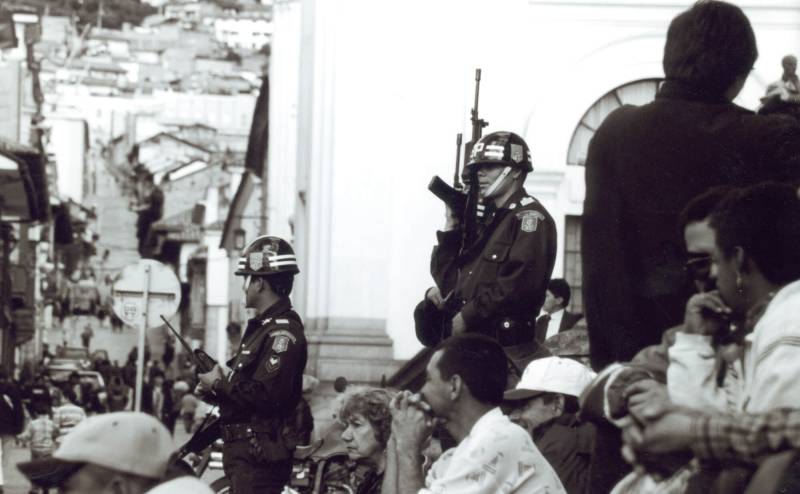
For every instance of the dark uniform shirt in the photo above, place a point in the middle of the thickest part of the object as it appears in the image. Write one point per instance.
(502, 279)
(267, 373)
(567, 445)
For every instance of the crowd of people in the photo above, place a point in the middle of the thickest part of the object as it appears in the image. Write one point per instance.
(690, 241)
(691, 234)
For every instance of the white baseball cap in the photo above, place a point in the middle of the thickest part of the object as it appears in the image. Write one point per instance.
(129, 442)
(551, 375)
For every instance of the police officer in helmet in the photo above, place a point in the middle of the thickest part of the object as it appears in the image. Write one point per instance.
(259, 392)
(496, 285)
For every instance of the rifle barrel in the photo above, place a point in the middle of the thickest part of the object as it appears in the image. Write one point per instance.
(457, 174)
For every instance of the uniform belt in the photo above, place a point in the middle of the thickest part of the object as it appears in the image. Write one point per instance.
(235, 432)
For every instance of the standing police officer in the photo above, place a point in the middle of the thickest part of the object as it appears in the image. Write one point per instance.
(497, 285)
(258, 395)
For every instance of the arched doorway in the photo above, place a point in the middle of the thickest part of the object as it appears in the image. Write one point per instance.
(637, 92)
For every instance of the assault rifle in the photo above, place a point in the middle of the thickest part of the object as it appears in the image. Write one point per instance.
(463, 199)
(210, 430)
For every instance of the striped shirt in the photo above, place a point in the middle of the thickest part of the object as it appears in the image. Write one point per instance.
(42, 433)
(66, 417)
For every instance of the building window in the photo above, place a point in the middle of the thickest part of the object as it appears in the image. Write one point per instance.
(633, 93)
(573, 272)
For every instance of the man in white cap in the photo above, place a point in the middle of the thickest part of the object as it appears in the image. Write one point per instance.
(122, 452)
(545, 403)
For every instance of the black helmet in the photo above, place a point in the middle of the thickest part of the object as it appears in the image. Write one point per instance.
(501, 148)
(267, 255)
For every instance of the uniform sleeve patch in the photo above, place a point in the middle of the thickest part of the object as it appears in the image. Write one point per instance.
(280, 344)
(283, 332)
(273, 363)
(530, 220)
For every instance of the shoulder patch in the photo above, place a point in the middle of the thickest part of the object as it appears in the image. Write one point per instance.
(280, 344)
(284, 333)
(530, 220)
(281, 321)
(527, 200)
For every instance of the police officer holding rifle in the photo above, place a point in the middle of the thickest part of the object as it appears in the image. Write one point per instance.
(258, 394)
(494, 259)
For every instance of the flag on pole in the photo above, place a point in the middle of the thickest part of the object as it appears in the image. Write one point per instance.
(256, 157)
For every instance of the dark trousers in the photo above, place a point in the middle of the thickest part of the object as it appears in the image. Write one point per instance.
(249, 475)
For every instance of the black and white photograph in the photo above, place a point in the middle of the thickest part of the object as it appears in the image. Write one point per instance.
(399, 247)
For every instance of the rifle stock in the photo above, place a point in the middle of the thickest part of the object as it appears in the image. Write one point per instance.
(201, 439)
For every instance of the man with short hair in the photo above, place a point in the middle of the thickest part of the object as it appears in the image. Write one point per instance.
(110, 453)
(463, 389)
(545, 403)
(555, 317)
(645, 163)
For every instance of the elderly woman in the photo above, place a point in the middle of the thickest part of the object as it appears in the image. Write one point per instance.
(367, 421)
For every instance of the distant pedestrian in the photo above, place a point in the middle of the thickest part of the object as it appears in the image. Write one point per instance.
(188, 407)
(86, 336)
(41, 435)
(118, 395)
(68, 415)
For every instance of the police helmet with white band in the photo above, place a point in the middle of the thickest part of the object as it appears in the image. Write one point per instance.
(501, 148)
(272, 258)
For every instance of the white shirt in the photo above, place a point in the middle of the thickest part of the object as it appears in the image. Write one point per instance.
(496, 457)
(555, 322)
(768, 378)
(772, 354)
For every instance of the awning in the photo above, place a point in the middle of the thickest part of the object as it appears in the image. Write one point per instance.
(23, 184)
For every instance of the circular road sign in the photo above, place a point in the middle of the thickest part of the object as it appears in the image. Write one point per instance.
(163, 293)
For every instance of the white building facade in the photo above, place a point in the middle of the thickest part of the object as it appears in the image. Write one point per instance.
(243, 31)
(367, 98)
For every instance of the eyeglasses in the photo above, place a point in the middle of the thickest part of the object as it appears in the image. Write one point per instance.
(698, 266)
